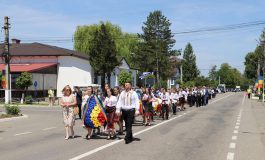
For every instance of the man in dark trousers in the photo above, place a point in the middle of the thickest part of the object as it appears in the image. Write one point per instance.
(128, 104)
(78, 95)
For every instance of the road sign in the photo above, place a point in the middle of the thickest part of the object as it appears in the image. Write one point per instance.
(35, 84)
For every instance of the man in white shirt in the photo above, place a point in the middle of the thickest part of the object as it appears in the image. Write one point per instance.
(128, 104)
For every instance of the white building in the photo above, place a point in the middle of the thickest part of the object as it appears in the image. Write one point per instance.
(124, 66)
(51, 67)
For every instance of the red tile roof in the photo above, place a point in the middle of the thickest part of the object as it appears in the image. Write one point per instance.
(27, 67)
(38, 49)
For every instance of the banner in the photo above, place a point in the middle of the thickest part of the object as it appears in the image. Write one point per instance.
(145, 74)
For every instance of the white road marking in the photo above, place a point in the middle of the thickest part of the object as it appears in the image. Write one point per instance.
(45, 129)
(237, 123)
(22, 133)
(234, 137)
(45, 110)
(232, 145)
(236, 127)
(230, 156)
(184, 113)
(142, 131)
(238, 120)
(236, 131)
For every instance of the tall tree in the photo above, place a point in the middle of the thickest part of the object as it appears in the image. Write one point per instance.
(213, 73)
(230, 76)
(190, 69)
(103, 53)
(126, 43)
(156, 45)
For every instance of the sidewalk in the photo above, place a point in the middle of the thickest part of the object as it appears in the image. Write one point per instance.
(251, 137)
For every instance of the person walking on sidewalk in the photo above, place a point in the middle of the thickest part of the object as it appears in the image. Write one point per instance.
(51, 97)
(128, 104)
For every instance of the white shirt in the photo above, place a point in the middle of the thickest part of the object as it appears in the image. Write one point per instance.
(174, 97)
(128, 100)
(110, 101)
(165, 98)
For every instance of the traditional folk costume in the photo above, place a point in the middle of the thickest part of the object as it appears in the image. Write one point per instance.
(147, 105)
(165, 105)
(110, 106)
(182, 99)
(128, 104)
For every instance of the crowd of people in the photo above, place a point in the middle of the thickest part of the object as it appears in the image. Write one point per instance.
(105, 112)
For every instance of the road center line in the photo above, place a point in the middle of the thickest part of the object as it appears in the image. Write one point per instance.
(234, 137)
(137, 133)
(22, 133)
(230, 156)
(236, 131)
(232, 145)
(236, 127)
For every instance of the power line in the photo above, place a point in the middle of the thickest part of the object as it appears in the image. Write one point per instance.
(205, 30)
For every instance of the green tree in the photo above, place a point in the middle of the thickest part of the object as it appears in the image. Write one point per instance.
(103, 53)
(123, 77)
(24, 81)
(230, 76)
(156, 44)
(126, 43)
(252, 59)
(213, 73)
(190, 69)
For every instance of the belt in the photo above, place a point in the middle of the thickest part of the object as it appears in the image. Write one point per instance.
(128, 109)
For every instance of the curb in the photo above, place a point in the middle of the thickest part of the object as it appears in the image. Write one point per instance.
(13, 118)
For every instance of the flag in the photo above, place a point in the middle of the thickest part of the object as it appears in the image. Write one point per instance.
(95, 114)
(145, 74)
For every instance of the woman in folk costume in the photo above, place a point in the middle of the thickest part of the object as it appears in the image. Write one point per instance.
(94, 114)
(110, 103)
(147, 100)
(182, 99)
(68, 102)
(174, 99)
(118, 119)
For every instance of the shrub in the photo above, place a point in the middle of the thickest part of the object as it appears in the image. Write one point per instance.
(12, 109)
(28, 99)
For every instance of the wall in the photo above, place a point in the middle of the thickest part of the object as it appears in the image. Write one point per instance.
(44, 81)
(74, 72)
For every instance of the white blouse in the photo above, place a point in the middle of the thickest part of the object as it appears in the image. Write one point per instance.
(110, 101)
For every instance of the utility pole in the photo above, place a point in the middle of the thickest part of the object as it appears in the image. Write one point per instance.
(157, 70)
(7, 58)
(219, 80)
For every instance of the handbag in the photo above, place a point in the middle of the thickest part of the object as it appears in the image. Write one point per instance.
(76, 110)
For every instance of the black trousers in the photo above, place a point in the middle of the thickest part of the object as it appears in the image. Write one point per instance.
(128, 117)
(79, 108)
(165, 111)
(174, 108)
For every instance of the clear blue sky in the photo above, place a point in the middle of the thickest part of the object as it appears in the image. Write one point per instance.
(38, 20)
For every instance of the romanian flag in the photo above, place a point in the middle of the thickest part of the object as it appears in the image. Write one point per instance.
(95, 114)
(260, 82)
(3, 80)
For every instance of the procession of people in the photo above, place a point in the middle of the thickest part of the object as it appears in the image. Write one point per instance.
(106, 112)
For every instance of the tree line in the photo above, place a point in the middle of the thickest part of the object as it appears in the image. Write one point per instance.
(151, 51)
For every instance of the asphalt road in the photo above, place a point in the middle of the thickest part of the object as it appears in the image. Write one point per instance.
(230, 127)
